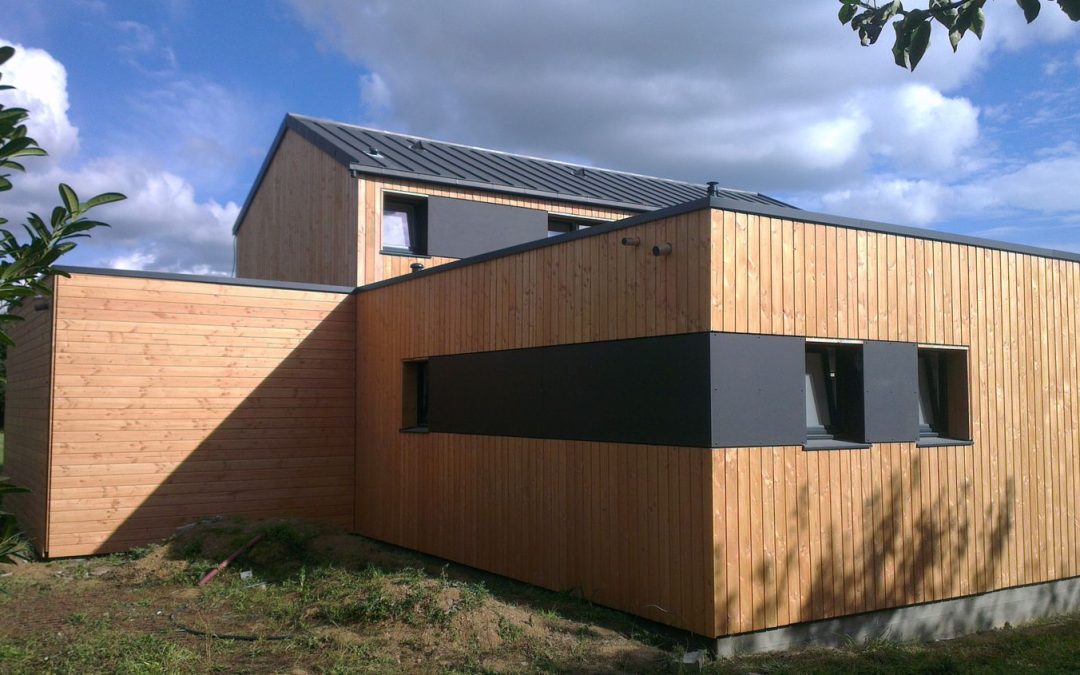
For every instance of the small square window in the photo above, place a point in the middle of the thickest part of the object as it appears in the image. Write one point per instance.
(404, 226)
(943, 396)
(834, 390)
(415, 396)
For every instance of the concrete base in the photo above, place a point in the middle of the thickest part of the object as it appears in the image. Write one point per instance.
(932, 621)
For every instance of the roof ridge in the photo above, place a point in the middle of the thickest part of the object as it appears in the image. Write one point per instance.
(504, 153)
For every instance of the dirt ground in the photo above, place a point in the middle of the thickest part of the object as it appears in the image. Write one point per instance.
(316, 600)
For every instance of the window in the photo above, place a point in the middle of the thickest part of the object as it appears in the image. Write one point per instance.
(561, 225)
(415, 396)
(404, 226)
(943, 400)
(834, 391)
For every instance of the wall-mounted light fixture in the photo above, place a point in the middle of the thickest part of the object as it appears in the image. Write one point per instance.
(416, 267)
(41, 303)
(661, 249)
(631, 241)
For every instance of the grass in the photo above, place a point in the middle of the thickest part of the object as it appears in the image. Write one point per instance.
(345, 604)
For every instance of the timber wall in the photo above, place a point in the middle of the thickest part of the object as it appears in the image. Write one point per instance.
(629, 526)
(27, 417)
(177, 400)
(807, 535)
(301, 223)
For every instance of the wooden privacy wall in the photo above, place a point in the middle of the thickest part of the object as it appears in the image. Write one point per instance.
(26, 417)
(806, 535)
(177, 400)
(629, 526)
(301, 223)
(375, 266)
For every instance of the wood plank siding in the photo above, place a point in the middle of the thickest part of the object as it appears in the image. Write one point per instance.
(27, 417)
(177, 400)
(802, 535)
(627, 525)
(301, 222)
(790, 535)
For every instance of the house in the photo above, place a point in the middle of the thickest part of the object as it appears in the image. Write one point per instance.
(701, 406)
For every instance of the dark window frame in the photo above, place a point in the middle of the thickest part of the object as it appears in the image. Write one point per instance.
(945, 372)
(415, 396)
(842, 380)
(559, 224)
(416, 208)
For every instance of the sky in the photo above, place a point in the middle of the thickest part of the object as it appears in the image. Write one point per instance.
(176, 102)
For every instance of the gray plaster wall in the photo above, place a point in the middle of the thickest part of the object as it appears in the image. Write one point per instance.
(931, 621)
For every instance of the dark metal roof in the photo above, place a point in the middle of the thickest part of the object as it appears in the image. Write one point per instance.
(382, 153)
(207, 279)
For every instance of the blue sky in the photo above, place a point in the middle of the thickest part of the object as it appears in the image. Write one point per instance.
(176, 103)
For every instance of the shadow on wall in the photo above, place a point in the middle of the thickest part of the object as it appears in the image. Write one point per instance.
(247, 421)
(877, 565)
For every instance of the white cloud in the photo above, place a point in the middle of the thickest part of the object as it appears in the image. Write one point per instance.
(918, 202)
(164, 224)
(40, 83)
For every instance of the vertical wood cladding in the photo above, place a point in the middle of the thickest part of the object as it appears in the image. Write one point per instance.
(807, 535)
(791, 535)
(179, 400)
(628, 525)
(301, 224)
(27, 418)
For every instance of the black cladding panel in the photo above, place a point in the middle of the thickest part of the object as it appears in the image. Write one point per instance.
(757, 390)
(891, 391)
(459, 228)
(646, 390)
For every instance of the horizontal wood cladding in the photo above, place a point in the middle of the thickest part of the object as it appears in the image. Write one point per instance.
(375, 266)
(27, 418)
(627, 525)
(804, 535)
(301, 222)
(176, 401)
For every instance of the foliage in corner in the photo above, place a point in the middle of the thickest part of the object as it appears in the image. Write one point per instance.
(25, 266)
(913, 26)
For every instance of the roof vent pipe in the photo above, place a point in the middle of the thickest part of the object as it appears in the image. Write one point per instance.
(711, 192)
(416, 267)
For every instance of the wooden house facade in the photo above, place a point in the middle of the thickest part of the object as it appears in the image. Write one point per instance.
(715, 411)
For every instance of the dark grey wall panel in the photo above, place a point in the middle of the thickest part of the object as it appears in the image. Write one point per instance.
(891, 391)
(458, 228)
(647, 390)
(757, 390)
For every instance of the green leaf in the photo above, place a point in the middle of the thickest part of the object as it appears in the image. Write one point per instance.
(847, 11)
(71, 200)
(978, 23)
(6, 53)
(920, 40)
(1071, 8)
(1031, 8)
(900, 45)
(104, 198)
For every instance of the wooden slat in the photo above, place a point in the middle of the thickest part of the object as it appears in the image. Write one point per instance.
(160, 386)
